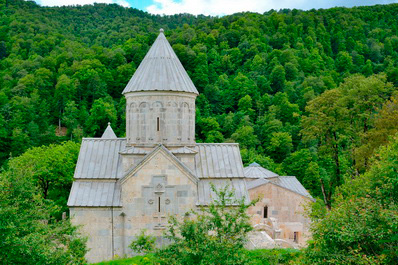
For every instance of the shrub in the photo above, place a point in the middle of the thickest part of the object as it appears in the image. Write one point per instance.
(143, 243)
(274, 256)
(362, 226)
(30, 234)
(214, 235)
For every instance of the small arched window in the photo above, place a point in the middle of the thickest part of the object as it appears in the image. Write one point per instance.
(296, 237)
(265, 213)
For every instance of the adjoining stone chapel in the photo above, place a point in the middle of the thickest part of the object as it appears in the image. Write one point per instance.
(123, 185)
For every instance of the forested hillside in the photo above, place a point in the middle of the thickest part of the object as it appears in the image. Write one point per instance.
(308, 93)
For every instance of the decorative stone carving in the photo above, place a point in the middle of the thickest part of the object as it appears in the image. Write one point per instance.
(157, 104)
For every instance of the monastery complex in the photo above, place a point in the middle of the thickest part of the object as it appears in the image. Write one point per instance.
(123, 185)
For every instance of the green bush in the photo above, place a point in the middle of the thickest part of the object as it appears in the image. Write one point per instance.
(362, 226)
(143, 243)
(29, 231)
(274, 256)
(254, 257)
(215, 235)
(148, 259)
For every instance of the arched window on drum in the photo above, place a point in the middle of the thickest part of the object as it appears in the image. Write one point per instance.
(132, 122)
(157, 121)
(143, 122)
(186, 121)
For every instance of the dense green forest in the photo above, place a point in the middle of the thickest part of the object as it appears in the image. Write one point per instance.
(302, 92)
(305, 93)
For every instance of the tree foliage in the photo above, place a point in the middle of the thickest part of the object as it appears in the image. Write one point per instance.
(50, 168)
(143, 243)
(362, 227)
(318, 76)
(306, 93)
(214, 235)
(30, 232)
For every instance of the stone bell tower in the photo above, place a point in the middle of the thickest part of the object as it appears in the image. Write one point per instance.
(160, 100)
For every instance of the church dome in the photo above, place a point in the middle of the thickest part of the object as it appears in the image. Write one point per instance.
(255, 171)
(161, 70)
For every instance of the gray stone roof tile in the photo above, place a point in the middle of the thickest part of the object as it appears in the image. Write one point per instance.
(254, 170)
(135, 150)
(288, 182)
(99, 159)
(183, 150)
(94, 194)
(292, 183)
(218, 161)
(160, 70)
(109, 133)
(256, 183)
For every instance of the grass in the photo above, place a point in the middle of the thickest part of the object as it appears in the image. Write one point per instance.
(257, 256)
(274, 256)
(137, 260)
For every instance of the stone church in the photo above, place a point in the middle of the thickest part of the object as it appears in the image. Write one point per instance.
(123, 185)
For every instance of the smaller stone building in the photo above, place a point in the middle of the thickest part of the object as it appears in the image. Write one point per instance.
(279, 211)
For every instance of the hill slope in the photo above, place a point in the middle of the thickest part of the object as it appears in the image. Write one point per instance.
(262, 79)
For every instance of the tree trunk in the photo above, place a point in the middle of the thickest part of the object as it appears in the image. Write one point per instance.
(45, 185)
(59, 120)
(325, 200)
(336, 158)
(365, 126)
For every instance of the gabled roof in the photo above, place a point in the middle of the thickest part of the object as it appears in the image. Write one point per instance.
(161, 70)
(255, 171)
(99, 159)
(109, 133)
(256, 183)
(292, 183)
(218, 161)
(288, 182)
(99, 172)
(150, 155)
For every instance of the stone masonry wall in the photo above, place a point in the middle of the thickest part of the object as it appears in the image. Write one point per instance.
(160, 117)
(96, 224)
(159, 189)
(284, 205)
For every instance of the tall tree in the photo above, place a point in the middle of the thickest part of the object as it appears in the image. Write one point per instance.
(50, 169)
(362, 227)
(30, 233)
(326, 123)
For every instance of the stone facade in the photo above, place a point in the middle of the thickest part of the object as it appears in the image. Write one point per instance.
(160, 117)
(282, 210)
(159, 187)
(96, 225)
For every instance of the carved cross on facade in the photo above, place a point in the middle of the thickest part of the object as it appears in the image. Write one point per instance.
(159, 198)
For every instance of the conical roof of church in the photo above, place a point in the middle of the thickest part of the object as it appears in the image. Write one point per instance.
(161, 70)
(109, 133)
(256, 171)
